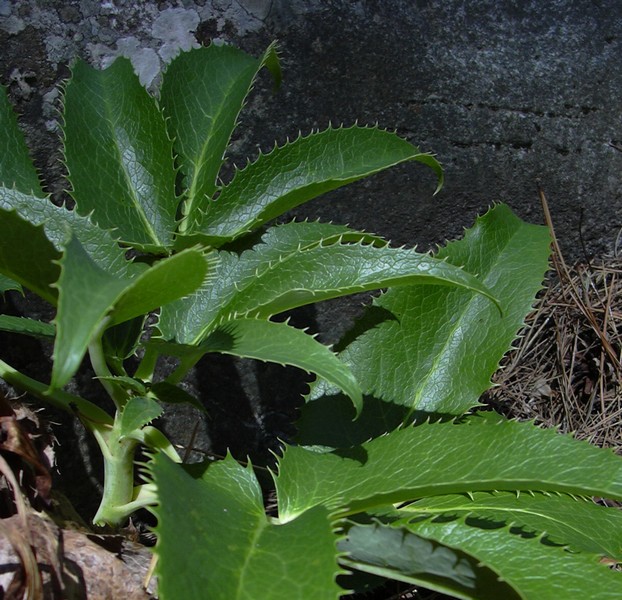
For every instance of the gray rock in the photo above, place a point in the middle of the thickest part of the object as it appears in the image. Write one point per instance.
(503, 94)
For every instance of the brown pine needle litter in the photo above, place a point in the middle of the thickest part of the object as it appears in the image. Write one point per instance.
(565, 371)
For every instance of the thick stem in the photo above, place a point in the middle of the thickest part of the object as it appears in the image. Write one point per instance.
(118, 479)
(120, 498)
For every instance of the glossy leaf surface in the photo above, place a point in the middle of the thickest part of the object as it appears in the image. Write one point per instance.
(118, 154)
(185, 320)
(238, 552)
(202, 94)
(261, 285)
(300, 171)
(56, 224)
(443, 458)
(433, 349)
(16, 169)
(167, 280)
(578, 523)
(535, 570)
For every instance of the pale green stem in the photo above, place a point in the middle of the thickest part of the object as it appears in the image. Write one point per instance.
(121, 498)
(147, 365)
(93, 417)
(118, 454)
(186, 208)
(100, 366)
(183, 225)
(118, 478)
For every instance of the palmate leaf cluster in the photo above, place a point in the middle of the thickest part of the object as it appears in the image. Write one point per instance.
(394, 474)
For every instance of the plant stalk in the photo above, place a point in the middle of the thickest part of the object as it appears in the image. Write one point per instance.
(100, 366)
(92, 416)
(118, 456)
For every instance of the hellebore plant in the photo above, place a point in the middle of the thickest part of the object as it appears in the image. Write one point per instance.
(394, 474)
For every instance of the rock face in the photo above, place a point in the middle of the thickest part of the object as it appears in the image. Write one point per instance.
(504, 93)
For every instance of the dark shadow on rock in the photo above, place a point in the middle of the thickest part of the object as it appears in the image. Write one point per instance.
(251, 405)
(229, 420)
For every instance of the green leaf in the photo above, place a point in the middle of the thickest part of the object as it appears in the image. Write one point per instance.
(283, 238)
(27, 326)
(202, 94)
(434, 349)
(33, 264)
(167, 280)
(16, 168)
(280, 343)
(167, 392)
(262, 285)
(121, 341)
(326, 272)
(242, 554)
(183, 320)
(8, 285)
(137, 413)
(300, 171)
(578, 523)
(47, 227)
(445, 458)
(55, 223)
(401, 555)
(127, 383)
(86, 294)
(535, 570)
(118, 154)
(92, 293)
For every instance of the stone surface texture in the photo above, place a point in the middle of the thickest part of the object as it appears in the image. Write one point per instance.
(505, 93)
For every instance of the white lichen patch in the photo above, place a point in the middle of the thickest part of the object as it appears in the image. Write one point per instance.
(175, 27)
